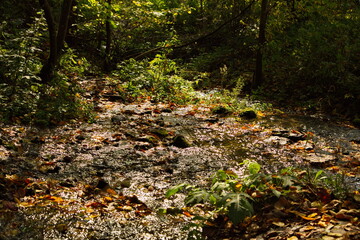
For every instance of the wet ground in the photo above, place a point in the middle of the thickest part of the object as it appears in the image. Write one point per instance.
(107, 180)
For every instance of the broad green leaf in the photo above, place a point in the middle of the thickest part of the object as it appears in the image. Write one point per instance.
(238, 206)
(175, 189)
(276, 192)
(197, 196)
(220, 186)
(254, 168)
(287, 181)
(318, 174)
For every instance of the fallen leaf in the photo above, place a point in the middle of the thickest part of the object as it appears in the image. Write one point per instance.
(279, 224)
(292, 238)
(303, 215)
(187, 214)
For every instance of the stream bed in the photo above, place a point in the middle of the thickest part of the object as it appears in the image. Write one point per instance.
(107, 180)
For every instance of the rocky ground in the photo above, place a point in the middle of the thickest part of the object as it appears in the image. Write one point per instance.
(107, 179)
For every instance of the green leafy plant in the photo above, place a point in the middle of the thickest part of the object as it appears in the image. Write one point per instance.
(225, 195)
(157, 79)
(61, 101)
(239, 197)
(335, 183)
(19, 65)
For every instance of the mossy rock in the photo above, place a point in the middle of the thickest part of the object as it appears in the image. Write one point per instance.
(160, 132)
(181, 142)
(149, 139)
(221, 110)
(249, 114)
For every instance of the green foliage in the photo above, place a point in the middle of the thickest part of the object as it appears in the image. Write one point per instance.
(22, 96)
(225, 195)
(240, 197)
(312, 53)
(157, 79)
(19, 64)
(73, 65)
(335, 183)
(61, 101)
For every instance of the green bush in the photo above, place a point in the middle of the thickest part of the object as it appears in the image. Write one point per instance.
(23, 98)
(157, 79)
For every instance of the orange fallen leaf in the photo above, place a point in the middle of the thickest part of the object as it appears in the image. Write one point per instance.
(187, 214)
(53, 198)
(111, 191)
(303, 215)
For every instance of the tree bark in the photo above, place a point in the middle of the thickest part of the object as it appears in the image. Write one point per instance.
(107, 63)
(57, 34)
(49, 66)
(63, 24)
(259, 78)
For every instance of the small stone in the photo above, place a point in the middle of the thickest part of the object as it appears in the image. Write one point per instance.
(181, 142)
(250, 114)
(166, 110)
(161, 132)
(117, 119)
(67, 159)
(221, 110)
(149, 139)
(212, 120)
(126, 183)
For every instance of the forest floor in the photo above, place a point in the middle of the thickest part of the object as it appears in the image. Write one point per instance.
(108, 179)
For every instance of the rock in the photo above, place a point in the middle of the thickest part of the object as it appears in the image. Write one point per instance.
(166, 110)
(143, 146)
(249, 114)
(317, 159)
(181, 142)
(276, 140)
(148, 139)
(212, 120)
(117, 119)
(80, 137)
(67, 159)
(221, 110)
(161, 132)
(356, 122)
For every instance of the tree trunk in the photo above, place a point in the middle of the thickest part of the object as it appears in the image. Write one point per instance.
(63, 24)
(48, 68)
(259, 78)
(56, 36)
(107, 63)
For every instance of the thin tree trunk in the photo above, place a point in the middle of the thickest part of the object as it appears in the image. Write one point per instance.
(49, 67)
(259, 78)
(107, 64)
(63, 24)
(57, 36)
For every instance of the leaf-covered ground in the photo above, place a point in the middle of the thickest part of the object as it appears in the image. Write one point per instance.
(107, 180)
